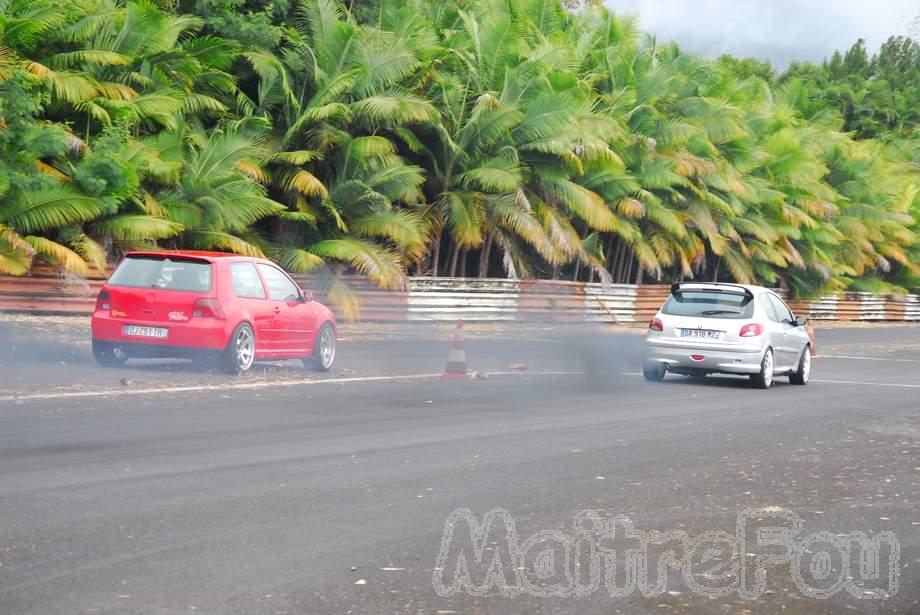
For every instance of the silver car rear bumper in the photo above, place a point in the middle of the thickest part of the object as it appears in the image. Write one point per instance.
(741, 359)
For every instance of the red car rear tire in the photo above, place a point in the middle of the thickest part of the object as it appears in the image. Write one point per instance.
(108, 354)
(240, 352)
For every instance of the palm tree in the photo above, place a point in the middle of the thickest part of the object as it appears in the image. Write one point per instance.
(510, 133)
(368, 199)
(215, 200)
(38, 206)
(337, 107)
(505, 164)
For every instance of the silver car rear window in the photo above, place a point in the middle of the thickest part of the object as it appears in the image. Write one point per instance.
(709, 304)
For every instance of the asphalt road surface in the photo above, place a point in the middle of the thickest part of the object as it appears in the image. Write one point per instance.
(161, 488)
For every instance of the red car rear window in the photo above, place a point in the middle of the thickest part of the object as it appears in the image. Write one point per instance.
(163, 273)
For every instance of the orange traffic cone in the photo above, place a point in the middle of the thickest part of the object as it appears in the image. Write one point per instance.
(456, 360)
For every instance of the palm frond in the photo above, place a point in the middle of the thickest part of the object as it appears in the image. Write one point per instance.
(135, 227)
(400, 227)
(116, 91)
(200, 103)
(394, 109)
(297, 260)
(58, 254)
(463, 217)
(216, 240)
(48, 208)
(296, 157)
(70, 86)
(304, 183)
(494, 176)
(89, 250)
(252, 170)
(8, 62)
(13, 241)
(221, 154)
(368, 258)
(97, 57)
(582, 202)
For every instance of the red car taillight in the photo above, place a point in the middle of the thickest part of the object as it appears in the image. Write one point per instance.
(207, 308)
(102, 301)
(655, 324)
(751, 330)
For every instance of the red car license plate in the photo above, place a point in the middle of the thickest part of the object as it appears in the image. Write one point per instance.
(138, 331)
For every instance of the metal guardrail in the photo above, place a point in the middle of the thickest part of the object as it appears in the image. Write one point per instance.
(518, 300)
(912, 308)
(447, 299)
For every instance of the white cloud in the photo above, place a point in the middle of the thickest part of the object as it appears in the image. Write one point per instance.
(781, 30)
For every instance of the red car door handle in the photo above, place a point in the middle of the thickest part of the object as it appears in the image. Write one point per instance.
(277, 310)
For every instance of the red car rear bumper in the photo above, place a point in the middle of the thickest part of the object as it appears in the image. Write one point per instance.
(201, 334)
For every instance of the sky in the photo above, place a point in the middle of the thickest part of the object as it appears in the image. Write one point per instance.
(781, 31)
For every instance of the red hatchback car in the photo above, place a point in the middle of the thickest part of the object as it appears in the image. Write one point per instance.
(190, 304)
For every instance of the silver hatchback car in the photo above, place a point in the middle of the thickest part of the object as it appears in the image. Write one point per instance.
(730, 329)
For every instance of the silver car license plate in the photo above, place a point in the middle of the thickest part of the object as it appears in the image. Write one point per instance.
(701, 333)
(138, 331)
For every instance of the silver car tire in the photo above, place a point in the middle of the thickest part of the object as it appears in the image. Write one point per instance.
(764, 379)
(654, 372)
(803, 371)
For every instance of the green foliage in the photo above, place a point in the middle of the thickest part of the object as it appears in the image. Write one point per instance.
(252, 23)
(746, 68)
(875, 96)
(529, 137)
(105, 172)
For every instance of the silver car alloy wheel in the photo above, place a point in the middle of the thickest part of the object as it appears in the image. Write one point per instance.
(806, 365)
(245, 348)
(768, 367)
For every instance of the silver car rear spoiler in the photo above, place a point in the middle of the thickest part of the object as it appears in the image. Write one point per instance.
(709, 286)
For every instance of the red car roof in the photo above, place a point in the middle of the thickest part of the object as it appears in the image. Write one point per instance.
(201, 254)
